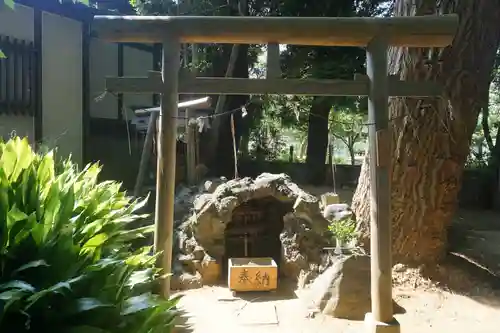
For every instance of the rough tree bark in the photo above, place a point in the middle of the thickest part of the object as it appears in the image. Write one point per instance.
(317, 139)
(431, 137)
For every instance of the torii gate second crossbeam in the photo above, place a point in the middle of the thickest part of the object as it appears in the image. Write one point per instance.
(376, 34)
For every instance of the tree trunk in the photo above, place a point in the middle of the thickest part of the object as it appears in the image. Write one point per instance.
(254, 111)
(317, 139)
(238, 54)
(495, 160)
(223, 164)
(485, 121)
(244, 142)
(431, 137)
(352, 154)
(494, 164)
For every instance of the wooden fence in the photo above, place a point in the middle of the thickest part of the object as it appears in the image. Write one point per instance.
(18, 77)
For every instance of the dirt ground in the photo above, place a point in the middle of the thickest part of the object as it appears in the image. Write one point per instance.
(455, 297)
(426, 311)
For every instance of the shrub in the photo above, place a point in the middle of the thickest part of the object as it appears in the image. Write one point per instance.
(65, 259)
(343, 230)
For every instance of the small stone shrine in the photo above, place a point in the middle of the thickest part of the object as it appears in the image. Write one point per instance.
(266, 217)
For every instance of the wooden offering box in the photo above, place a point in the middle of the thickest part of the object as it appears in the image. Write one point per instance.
(252, 274)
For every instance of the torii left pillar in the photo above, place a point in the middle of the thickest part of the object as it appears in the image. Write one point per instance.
(166, 160)
(166, 154)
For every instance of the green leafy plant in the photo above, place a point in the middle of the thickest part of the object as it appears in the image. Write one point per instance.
(343, 230)
(66, 264)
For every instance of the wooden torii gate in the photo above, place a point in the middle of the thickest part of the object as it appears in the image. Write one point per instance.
(376, 34)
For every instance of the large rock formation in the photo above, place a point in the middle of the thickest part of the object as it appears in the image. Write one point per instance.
(209, 225)
(343, 290)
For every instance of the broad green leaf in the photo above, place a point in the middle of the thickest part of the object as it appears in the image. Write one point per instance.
(45, 172)
(22, 229)
(67, 207)
(51, 208)
(137, 303)
(32, 264)
(9, 298)
(16, 284)
(138, 232)
(11, 294)
(86, 329)
(139, 204)
(37, 233)
(96, 241)
(91, 228)
(2, 55)
(140, 277)
(8, 159)
(24, 156)
(88, 304)
(163, 314)
(15, 215)
(58, 288)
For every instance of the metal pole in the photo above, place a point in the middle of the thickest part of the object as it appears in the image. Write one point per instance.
(380, 163)
(165, 176)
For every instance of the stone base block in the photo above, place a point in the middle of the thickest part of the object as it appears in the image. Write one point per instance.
(373, 326)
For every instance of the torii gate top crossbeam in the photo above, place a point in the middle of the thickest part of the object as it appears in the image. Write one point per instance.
(416, 31)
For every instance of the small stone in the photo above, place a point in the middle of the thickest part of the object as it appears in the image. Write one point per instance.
(336, 212)
(190, 245)
(210, 186)
(184, 257)
(293, 263)
(201, 201)
(186, 261)
(185, 281)
(210, 270)
(303, 279)
(329, 199)
(198, 253)
(399, 268)
(227, 204)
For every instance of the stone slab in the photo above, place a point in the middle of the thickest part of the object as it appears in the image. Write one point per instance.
(258, 313)
(373, 326)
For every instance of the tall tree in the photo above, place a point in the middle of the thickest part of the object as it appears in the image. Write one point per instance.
(431, 137)
(325, 63)
(348, 127)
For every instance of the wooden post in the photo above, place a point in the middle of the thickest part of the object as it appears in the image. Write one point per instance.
(165, 177)
(235, 150)
(273, 50)
(190, 130)
(146, 154)
(380, 205)
(290, 154)
(191, 142)
(331, 164)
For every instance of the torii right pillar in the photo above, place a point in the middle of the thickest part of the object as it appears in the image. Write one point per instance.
(381, 319)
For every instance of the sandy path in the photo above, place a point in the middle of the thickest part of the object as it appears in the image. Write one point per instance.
(426, 311)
